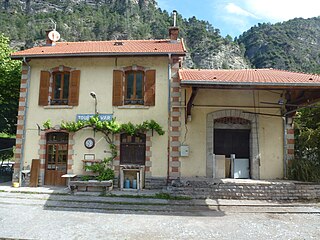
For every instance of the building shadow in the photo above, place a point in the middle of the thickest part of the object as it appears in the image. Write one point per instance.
(118, 202)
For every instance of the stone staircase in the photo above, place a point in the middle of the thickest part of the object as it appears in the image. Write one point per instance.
(245, 189)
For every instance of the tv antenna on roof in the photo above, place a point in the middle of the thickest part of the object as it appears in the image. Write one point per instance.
(54, 24)
(54, 36)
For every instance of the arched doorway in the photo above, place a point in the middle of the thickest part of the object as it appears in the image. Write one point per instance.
(237, 133)
(56, 158)
(232, 138)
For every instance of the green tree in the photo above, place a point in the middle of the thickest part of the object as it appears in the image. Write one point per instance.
(306, 165)
(9, 87)
(307, 133)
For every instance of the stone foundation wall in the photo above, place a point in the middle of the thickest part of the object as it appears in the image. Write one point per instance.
(152, 183)
(278, 190)
(155, 183)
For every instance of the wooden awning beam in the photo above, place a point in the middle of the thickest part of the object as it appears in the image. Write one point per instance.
(190, 102)
(301, 99)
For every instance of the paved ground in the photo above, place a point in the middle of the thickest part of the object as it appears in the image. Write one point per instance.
(42, 213)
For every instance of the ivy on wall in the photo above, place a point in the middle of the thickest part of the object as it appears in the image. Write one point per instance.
(112, 127)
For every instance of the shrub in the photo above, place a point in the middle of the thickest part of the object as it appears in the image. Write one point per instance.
(103, 169)
(303, 169)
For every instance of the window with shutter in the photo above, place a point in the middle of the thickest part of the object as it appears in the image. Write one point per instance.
(64, 87)
(60, 88)
(134, 87)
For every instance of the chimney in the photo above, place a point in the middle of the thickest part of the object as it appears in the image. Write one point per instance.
(174, 31)
(49, 42)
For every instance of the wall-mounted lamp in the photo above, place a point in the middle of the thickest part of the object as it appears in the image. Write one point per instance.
(94, 95)
(39, 129)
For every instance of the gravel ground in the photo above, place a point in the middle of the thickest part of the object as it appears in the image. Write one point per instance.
(41, 216)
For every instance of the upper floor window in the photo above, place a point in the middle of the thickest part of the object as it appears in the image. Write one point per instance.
(59, 87)
(134, 86)
(60, 93)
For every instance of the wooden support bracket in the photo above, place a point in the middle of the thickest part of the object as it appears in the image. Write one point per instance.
(190, 102)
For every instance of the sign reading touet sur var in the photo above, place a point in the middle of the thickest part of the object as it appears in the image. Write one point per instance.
(86, 117)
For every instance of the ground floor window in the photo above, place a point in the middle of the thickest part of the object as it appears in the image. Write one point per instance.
(132, 149)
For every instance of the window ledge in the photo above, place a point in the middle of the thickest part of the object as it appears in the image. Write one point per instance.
(133, 107)
(58, 107)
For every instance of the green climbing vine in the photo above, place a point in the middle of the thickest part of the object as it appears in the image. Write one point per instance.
(112, 127)
(108, 128)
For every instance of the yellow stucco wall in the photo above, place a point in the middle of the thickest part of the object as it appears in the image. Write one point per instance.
(97, 76)
(270, 129)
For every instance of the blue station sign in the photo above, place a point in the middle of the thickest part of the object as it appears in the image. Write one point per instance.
(86, 117)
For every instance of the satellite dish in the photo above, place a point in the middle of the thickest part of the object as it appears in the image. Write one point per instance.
(54, 36)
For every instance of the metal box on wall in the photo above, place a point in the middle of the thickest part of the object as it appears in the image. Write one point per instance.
(184, 151)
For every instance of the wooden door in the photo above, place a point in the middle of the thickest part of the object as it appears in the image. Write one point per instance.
(56, 162)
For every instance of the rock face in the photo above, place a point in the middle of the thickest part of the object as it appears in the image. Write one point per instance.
(228, 56)
(292, 45)
(89, 20)
(30, 6)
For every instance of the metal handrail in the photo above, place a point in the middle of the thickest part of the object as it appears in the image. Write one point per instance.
(5, 149)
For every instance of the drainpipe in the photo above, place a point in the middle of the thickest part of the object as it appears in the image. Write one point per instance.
(169, 114)
(24, 121)
(284, 148)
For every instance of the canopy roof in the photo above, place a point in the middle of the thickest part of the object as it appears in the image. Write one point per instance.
(299, 89)
(247, 78)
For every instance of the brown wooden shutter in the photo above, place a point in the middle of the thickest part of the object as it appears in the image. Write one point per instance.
(44, 88)
(150, 88)
(74, 86)
(117, 98)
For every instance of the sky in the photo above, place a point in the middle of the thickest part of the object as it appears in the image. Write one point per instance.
(233, 17)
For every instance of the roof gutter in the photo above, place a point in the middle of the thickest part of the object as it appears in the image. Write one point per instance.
(103, 54)
(249, 84)
(169, 117)
(285, 148)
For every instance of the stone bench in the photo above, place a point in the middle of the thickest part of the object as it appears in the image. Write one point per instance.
(94, 185)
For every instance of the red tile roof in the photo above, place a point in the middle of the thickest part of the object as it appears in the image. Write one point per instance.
(105, 48)
(247, 77)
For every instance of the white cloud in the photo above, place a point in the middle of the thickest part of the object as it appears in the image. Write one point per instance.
(282, 10)
(234, 9)
(235, 25)
(163, 4)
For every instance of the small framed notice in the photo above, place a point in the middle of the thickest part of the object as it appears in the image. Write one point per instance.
(89, 157)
